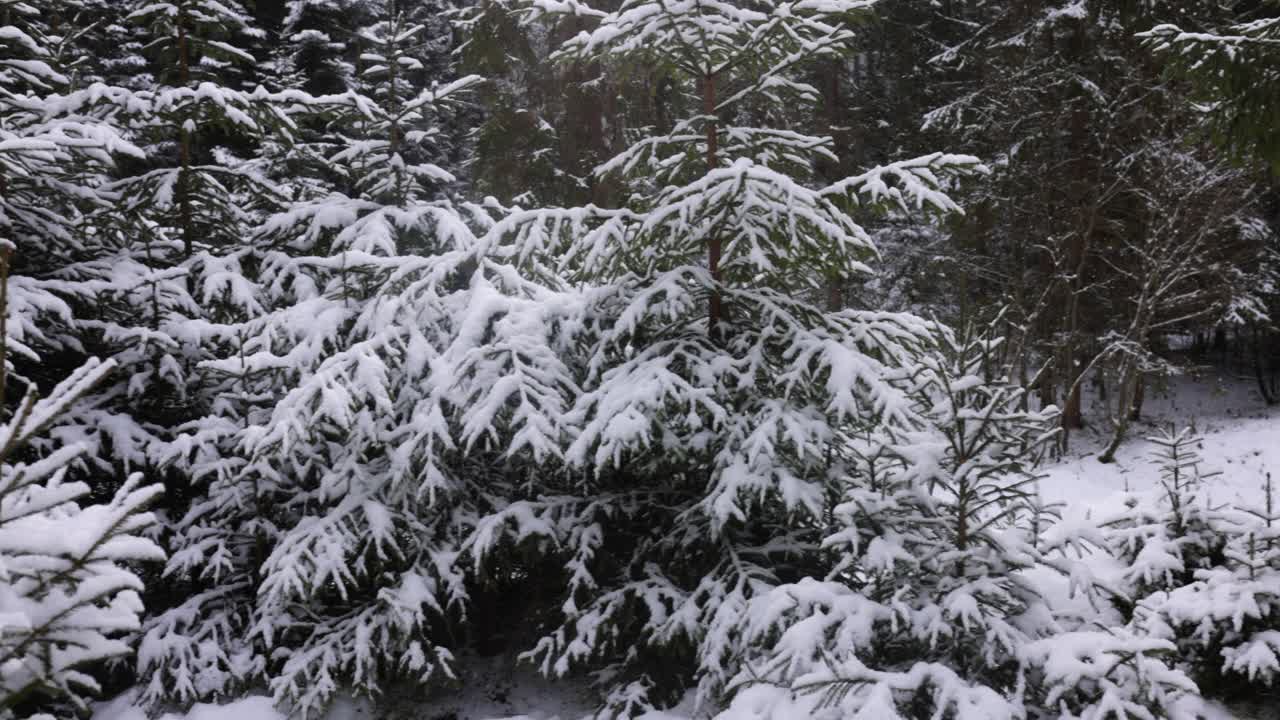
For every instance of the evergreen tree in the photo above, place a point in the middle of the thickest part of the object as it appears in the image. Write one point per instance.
(1222, 615)
(1233, 64)
(719, 407)
(321, 541)
(68, 597)
(69, 276)
(1163, 537)
(928, 610)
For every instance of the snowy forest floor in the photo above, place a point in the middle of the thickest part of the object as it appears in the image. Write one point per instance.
(1241, 441)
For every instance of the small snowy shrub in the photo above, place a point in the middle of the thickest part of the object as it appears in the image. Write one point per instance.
(1226, 622)
(1164, 536)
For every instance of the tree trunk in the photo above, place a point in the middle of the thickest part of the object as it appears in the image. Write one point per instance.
(830, 169)
(1045, 387)
(1267, 396)
(1139, 396)
(5, 254)
(1072, 417)
(1124, 401)
(184, 171)
(714, 247)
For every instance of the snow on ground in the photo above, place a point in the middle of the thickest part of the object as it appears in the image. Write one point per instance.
(490, 688)
(253, 707)
(1241, 440)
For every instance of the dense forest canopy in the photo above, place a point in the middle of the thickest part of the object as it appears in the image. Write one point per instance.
(700, 350)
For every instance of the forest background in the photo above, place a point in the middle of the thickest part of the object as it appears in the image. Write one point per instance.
(702, 349)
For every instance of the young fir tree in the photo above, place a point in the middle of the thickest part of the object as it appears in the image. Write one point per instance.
(1164, 536)
(190, 210)
(331, 510)
(1170, 542)
(1226, 620)
(928, 610)
(72, 278)
(67, 592)
(725, 422)
(316, 44)
(189, 217)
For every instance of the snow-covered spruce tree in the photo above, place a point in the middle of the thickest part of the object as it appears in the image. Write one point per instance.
(47, 177)
(315, 41)
(67, 596)
(727, 426)
(198, 197)
(1226, 621)
(927, 611)
(188, 217)
(159, 243)
(1163, 536)
(333, 496)
(70, 282)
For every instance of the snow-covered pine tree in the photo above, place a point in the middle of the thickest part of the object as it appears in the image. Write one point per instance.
(1163, 536)
(924, 611)
(1226, 620)
(47, 178)
(332, 501)
(68, 595)
(188, 217)
(721, 411)
(928, 609)
(190, 198)
(132, 248)
(315, 41)
(69, 276)
(1173, 545)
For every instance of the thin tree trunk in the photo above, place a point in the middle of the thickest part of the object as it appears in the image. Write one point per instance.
(1045, 387)
(1124, 401)
(830, 169)
(184, 171)
(1267, 397)
(1139, 396)
(714, 246)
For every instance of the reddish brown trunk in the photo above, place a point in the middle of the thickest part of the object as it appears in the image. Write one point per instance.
(184, 193)
(184, 52)
(184, 190)
(714, 246)
(1072, 417)
(830, 169)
